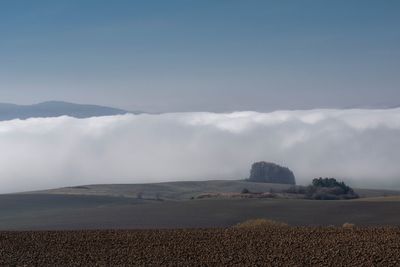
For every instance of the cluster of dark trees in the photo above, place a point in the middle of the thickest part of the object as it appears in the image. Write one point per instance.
(328, 189)
(325, 189)
(268, 172)
(332, 183)
(320, 188)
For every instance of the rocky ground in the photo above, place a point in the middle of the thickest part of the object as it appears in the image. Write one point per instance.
(278, 246)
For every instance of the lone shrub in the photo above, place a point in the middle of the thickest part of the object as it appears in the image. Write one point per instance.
(245, 191)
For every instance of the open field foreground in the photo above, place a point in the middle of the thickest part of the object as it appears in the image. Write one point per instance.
(73, 212)
(280, 246)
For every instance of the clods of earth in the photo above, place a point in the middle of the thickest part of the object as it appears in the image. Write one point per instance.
(275, 246)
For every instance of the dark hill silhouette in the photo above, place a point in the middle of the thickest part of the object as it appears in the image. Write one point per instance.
(55, 109)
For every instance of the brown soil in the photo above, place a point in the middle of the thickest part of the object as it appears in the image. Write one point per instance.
(278, 246)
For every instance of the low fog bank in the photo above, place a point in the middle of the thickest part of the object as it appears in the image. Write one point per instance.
(360, 146)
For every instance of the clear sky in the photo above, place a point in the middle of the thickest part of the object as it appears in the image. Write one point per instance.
(208, 55)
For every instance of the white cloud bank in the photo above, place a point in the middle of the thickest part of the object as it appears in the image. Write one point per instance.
(360, 146)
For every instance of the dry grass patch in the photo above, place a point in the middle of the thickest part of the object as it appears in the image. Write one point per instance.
(348, 225)
(260, 223)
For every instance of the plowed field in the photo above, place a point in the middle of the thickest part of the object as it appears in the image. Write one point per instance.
(283, 246)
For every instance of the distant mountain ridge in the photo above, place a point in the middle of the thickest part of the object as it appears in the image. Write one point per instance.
(55, 109)
(50, 109)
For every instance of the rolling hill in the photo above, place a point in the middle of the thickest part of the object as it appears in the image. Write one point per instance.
(170, 205)
(185, 190)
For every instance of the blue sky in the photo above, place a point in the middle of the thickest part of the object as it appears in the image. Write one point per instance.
(203, 55)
